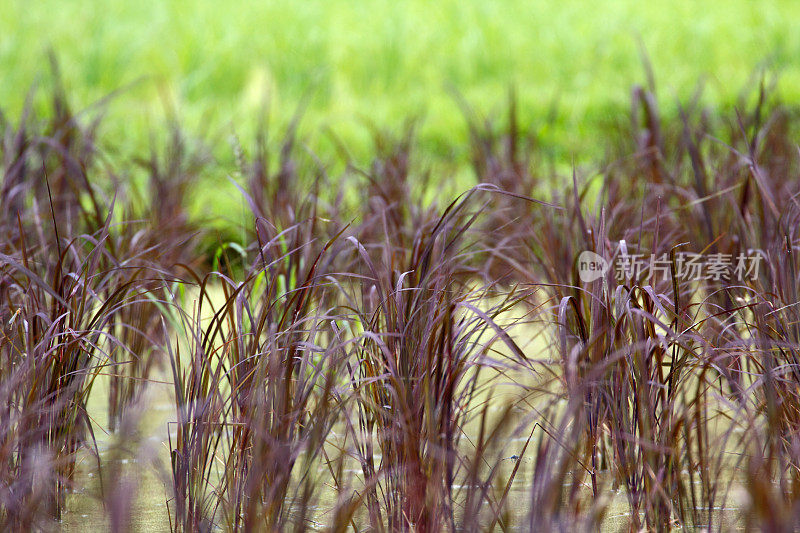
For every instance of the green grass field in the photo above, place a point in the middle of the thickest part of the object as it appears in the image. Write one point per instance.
(382, 62)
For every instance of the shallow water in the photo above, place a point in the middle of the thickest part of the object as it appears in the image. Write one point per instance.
(145, 461)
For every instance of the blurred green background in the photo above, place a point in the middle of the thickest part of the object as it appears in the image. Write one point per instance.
(380, 62)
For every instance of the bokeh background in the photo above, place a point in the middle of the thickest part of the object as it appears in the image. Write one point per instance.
(214, 64)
